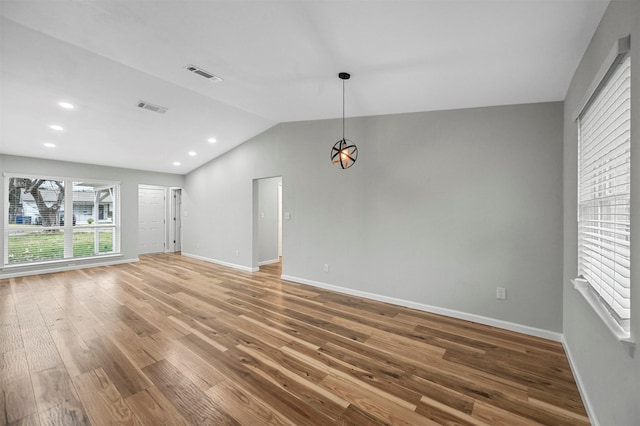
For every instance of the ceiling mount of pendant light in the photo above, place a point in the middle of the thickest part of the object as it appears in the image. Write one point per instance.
(344, 153)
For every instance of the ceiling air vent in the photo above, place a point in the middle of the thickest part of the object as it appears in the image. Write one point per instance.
(152, 107)
(203, 73)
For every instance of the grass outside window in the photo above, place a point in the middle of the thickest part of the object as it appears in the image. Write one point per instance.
(33, 244)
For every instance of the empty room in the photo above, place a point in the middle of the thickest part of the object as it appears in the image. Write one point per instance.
(270, 212)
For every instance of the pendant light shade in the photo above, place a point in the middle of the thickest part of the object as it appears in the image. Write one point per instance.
(344, 153)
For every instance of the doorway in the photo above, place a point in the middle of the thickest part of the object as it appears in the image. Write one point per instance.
(267, 220)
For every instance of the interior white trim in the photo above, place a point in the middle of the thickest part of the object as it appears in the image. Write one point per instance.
(268, 262)
(519, 328)
(221, 262)
(581, 386)
(68, 266)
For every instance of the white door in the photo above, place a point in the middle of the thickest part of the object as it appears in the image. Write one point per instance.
(151, 220)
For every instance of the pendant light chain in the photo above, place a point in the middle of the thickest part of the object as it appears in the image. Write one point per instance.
(343, 109)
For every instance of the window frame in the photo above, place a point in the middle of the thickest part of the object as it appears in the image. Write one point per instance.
(68, 226)
(618, 54)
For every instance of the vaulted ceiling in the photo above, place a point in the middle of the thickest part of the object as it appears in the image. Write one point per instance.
(279, 62)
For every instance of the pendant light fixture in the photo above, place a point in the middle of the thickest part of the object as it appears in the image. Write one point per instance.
(344, 153)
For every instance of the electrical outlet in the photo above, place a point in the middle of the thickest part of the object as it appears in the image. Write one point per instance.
(501, 293)
(197, 245)
(326, 267)
(237, 253)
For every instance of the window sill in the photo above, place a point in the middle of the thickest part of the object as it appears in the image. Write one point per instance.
(621, 335)
(69, 261)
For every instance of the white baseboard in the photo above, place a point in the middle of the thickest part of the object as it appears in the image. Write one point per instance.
(581, 387)
(268, 262)
(525, 329)
(221, 262)
(61, 267)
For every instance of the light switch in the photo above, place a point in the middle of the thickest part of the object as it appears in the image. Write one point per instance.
(287, 215)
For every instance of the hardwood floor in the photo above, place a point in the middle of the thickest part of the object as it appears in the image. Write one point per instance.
(173, 340)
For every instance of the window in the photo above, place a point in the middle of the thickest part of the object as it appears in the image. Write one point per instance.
(604, 192)
(53, 219)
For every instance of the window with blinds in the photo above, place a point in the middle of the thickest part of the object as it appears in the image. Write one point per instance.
(56, 219)
(604, 168)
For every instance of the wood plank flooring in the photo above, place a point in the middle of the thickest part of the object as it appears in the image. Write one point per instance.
(173, 340)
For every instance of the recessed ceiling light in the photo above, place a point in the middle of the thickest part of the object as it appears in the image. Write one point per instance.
(66, 105)
(176, 163)
(49, 145)
(211, 140)
(56, 127)
(192, 153)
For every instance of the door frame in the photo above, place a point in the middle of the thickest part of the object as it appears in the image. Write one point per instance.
(174, 238)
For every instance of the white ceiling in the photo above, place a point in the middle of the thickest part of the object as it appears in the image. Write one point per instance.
(279, 61)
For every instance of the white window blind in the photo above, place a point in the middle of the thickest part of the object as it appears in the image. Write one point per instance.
(604, 168)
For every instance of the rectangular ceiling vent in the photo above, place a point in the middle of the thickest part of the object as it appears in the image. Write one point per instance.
(203, 73)
(152, 107)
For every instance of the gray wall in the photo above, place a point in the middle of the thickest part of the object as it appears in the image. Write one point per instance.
(440, 209)
(129, 181)
(268, 219)
(608, 373)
